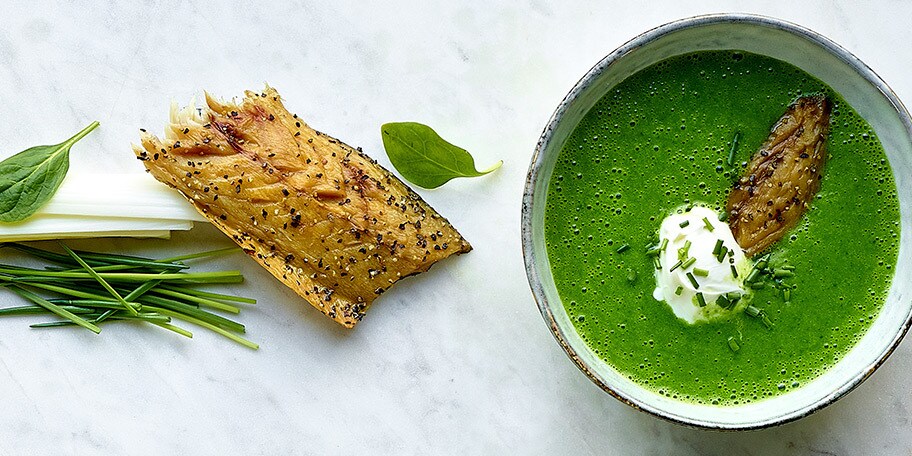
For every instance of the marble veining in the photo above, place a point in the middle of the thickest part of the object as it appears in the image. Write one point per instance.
(456, 361)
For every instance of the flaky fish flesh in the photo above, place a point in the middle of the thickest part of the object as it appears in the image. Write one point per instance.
(324, 218)
(782, 177)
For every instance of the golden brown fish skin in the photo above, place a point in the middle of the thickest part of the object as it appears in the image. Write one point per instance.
(321, 216)
(782, 177)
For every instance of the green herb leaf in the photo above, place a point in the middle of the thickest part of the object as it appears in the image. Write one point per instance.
(424, 158)
(30, 178)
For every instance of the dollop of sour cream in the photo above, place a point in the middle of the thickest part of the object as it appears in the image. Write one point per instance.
(689, 236)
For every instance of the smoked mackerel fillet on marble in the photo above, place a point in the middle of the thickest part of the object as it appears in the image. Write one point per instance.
(321, 216)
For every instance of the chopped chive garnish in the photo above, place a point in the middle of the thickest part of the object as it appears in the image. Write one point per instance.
(701, 300)
(690, 261)
(701, 272)
(709, 226)
(693, 281)
(754, 274)
(723, 302)
(780, 273)
(721, 255)
(766, 321)
(684, 252)
(787, 267)
(664, 244)
(752, 311)
(733, 344)
(676, 266)
(734, 271)
(653, 251)
(684, 223)
(734, 147)
(631, 276)
(718, 246)
(723, 216)
(623, 248)
(787, 295)
(733, 296)
(657, 263)
(679, 290)
(757, 285)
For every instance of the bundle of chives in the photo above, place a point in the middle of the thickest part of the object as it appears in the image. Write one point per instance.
(89, 288)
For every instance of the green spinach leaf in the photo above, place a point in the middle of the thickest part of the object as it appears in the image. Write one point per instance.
(424, 158)
(30, 178)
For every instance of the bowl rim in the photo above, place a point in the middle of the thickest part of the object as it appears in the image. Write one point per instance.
(602, 65)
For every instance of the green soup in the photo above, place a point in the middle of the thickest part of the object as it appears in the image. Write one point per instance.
(660, 140)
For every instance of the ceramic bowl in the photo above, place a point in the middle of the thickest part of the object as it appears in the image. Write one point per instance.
(805, 49)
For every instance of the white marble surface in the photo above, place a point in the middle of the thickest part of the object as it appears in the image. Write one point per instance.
(454, 361)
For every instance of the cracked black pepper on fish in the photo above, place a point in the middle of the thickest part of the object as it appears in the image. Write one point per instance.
(321, 216)
(782, 177)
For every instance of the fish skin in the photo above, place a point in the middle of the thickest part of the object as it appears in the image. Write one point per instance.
(782, 178)
(322, 217)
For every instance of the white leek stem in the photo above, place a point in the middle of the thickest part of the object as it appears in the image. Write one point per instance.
(134, 195)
